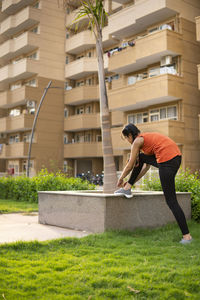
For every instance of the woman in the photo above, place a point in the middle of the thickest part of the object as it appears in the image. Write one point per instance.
(154, 149)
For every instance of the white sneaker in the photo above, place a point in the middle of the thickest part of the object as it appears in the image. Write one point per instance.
(126, 193)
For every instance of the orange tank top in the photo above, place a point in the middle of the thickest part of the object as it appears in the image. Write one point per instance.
(160, 145)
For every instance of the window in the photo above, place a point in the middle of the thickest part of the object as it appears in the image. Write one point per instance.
(66, 140)
(14, 112)
(27, 137)
(89, 54)
(14, 139)
(89, 81)
(98, 138)
(35, 30)
(87, 138)
(66, 113)
(88, 109)
(31, 82)
(172, 112)
(67, 60)
(154, 71)
(163, 113)
(171, 69)
(138, 118)
(154, 115)
(79, 110)
(32, 56)
(67, 86)
(132, 79)
(80, 83)
(67, 35)
(15, 86)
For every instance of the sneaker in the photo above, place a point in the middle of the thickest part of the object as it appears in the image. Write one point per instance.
(126, 193)
(185, 242)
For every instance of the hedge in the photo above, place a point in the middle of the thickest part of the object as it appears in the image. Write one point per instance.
(185, 182)
(22, 188)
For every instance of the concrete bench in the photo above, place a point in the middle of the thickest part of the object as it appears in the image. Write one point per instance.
(96, 212)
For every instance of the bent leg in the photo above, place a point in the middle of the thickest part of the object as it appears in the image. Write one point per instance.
(148, 159)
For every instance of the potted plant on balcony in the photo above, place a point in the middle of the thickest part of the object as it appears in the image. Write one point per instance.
(97, 18)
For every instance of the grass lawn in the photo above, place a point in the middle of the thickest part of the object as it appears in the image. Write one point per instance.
(145, 264)
(10, 206)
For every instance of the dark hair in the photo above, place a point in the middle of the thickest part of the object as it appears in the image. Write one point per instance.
(130, 129)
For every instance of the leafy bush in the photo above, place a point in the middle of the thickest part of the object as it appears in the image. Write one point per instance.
(185, 182)
(25, 189)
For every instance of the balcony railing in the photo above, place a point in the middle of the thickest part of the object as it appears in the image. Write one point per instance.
(23, 20)
(80, 42)
(16, 150)
(12, 6)
(82, 94)
(139, 16)
(80, 150)
(18, 96)
(151, 48)
(25, 43)
(150, 91)
(23, 69)
(81, 68)
(14, 124)
(82, 122)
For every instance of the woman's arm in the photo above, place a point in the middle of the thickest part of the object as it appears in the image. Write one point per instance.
(135, 148)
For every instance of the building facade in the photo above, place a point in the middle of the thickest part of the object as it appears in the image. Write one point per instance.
(151, 55)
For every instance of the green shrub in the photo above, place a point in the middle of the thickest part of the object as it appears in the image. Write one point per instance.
(185, 182)
(25, 189)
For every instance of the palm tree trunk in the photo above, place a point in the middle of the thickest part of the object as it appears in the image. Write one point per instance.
(110, 175)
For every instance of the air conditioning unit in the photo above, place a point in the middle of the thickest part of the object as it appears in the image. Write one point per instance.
(166, 60)
(30, 104)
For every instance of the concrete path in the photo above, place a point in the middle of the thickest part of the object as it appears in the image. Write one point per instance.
(25, 227)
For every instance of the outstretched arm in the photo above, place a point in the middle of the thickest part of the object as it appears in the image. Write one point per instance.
(135, 148)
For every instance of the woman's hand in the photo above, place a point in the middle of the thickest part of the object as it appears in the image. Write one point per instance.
(120, 182)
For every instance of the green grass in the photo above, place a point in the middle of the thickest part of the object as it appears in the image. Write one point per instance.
(145, 264)
(10, 206)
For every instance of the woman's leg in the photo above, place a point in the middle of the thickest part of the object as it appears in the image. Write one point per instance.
(167, 173)
(148, 159)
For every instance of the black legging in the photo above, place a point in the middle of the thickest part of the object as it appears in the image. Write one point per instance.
(167, 173)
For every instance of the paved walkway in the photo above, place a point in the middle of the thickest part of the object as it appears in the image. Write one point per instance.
(25, 227)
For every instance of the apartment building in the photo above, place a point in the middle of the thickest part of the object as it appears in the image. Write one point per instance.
(31, 54)
(150, 58)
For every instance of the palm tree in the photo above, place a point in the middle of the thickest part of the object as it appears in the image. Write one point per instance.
(97, 16)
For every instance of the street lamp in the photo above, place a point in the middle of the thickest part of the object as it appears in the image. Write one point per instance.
(34, 122)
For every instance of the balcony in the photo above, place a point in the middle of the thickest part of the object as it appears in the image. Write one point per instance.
(137, 17)
(21, 70)
(17, 97)
(80, 42)
(14, 124)
(150, 91)
(23, 20)
(16, 150)
(80, 150)
(81, 68)
(82, 94)
(147, 50)
(198, 76)
(23, 44)
(10, 7)
(82, 122)
(198, 28)
(171, 128)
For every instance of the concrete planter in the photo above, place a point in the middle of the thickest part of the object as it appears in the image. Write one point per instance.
(97, 212)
